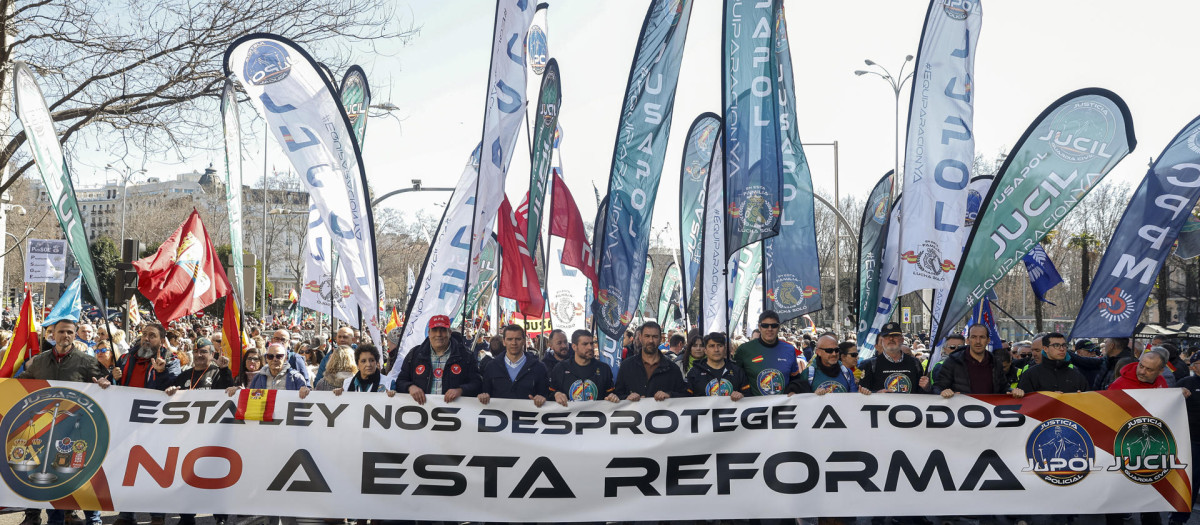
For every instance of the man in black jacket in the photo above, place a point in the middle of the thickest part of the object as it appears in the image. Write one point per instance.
(1115, 349)
(649, 373)
(582, 378)
(1055, 373)
(974, 370)
(1191, 385)
(205, 373)
(517, 374)
(891, 370)
(558, 349)
(439, 365)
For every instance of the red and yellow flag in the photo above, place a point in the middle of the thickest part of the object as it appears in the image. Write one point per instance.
(393, 322)
(232, 337)
(256, 404)
(24, 344)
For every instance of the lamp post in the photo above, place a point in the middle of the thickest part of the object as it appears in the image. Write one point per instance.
(896, 87)
(128, 174)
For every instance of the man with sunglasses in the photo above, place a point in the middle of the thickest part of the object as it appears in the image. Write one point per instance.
(826, 374)
(295, 361)
(892, 370)
(769, 363)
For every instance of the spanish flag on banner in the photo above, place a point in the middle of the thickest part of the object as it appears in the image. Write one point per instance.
(24, 342)
(232, 337)
(256, 404)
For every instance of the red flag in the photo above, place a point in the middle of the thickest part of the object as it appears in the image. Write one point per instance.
(231, 334)
(184, 275)
(566, 222)
(518, 280)
(24, 344)
(522, 214)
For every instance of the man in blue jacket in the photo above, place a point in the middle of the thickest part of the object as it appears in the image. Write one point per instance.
(516, 375)
(439, 366)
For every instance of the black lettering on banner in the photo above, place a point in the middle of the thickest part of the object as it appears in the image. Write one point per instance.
(724, 420)
(643, 483)
(524, 422)
(330, 417)
(203, 406)
(726, 474)
(557, 423)
(444, 420)
(676, 473)
(755, 418)
(422, 420)
(421, 467)
(874, 411)
(580, 426)
(297, 415)
(935, 463)
(143, 411)
(313, 480)
(635, 420)
(930, 421)
(175, 413)
(491, 465)
(372, 415)
(484, 427)
(835, 421)
(966, 422)
(1009, 416)
(669, 415)
(542, 466)
(771, 472)
(371, 473)
(989, 458)
(896, 422)
(862, 477)
(227, 414)
(783, 416)
(694, 415)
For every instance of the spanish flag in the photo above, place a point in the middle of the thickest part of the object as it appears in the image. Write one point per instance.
(292, 297)
(256, 404)
(24, 344)
(232, 337)
(393, 322)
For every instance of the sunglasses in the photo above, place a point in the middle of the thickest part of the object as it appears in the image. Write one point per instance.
(273, 357)
(1026, 355)
(852, 354)
(830, 350)
(768, 325)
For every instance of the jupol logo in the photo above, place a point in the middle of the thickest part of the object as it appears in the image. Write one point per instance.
(1145, 450)
(958, 9)
(755, 214)
(267, 62)
(788, 292)
(537, 50)
(56, 441)
(1115, 306)
(1081, 131)
(695, 171)
(1061, 452)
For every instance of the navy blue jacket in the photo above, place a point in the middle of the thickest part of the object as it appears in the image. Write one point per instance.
(154, 380)
(531, 379)
(462, 371)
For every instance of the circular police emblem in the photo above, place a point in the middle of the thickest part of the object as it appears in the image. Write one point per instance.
(420, 369)
(958, 9)
(455, 369)
(49, 432)
(781, 42)
(833, 387)
(695, 171)
(610, 308)
(537, 50)
(1060, 451)
(770, 381)
(267, 62)
(437, 372)
(718, 387)
(897, 382)
(583, 390)
(787, 293)
(705, 139)
(1145, 450)
(1116, 306)
(566, 308)
(1081, 131)
(881, 209)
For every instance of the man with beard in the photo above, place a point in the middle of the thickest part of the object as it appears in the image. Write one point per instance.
(204, 374)
(974, 371)
(891, 370)
(826, 374)
(559, 350)
(769, 363)
(649, 373)
(582, 378)
(439, 366)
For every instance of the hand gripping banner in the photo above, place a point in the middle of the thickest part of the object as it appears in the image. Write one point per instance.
(306, 118)
(367, 455)
(1143, 239)
(1067, 150)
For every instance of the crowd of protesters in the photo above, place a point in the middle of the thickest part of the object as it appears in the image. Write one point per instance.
(653, 364)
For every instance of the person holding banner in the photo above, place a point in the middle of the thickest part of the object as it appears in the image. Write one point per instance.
(517, 375)
(715, 375)
(204, 374)
(892, 370)
(582, 378)
(369, 377)
(439, 365)
(826, 374)
(1191, 384)
(767, 359)
(649, 374)
(973, 371)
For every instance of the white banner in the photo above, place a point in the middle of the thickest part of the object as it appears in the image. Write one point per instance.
(322, 291)
(976, 191)
(940, 149)
(754, 307)
(305, 116)
(365, 455)
(889, 272)
(502, 116)
(714, 286)
(232, 126)
(46, 261)
(567, 287)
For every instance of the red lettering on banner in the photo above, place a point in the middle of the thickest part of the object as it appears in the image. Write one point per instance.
(164, 474)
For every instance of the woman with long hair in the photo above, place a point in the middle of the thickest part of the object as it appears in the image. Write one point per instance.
(338, 369)
(251, 364)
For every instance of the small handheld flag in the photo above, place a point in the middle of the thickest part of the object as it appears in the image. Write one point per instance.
(256, 404)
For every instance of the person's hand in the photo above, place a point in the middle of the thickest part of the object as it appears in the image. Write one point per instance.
(612, 398)
(452, 394)
(105, 384)
(923, 382)
(160, 365)
(116, 373)
(822, 391)
(561, 398)
(1017, 393)
(1186, 392)
(661, 396)
(736, 396)
(338, 391)
(538, 400)
(304, 392)
(483, 398)
(417, 394)
(864, 391)
(947, 393)
(790, 394)
(633, 396)
(232, 390)
(222, 362)
(391, 393)
(170, 391)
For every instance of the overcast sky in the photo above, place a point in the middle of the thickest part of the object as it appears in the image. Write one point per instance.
(1030, 52)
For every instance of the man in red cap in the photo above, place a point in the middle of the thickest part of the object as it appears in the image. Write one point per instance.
(440, 365)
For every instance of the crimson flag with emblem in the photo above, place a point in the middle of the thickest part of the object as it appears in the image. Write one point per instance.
(566, 222)
(184, 275)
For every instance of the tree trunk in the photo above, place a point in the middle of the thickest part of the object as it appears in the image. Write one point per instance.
(1164, 278)
(1037, 315)
(1085, 265)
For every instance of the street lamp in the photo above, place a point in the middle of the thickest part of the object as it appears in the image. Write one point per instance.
(896, 87)
(129, 173)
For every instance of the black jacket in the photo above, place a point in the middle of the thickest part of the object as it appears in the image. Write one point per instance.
(1192, 402)
(590, 382)
(953, 375)
(530, 381)
(550, 360)
(703, 380)
(211, 378)
(461, 370)
(880, 373)
(666, 378)
(1053, 376)
(1109, 371)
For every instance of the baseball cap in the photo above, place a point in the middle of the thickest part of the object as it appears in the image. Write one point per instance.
(1195, 357)
(1085, 344)
(439, 321)
(892, 328)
